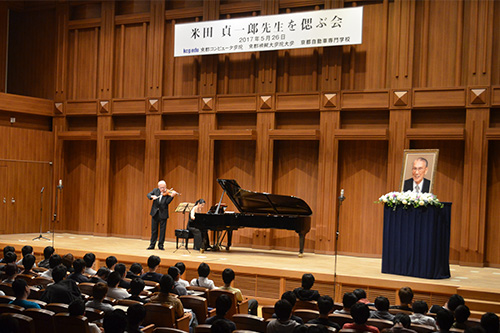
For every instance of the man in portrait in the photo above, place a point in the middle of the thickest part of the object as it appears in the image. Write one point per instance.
(418, 183)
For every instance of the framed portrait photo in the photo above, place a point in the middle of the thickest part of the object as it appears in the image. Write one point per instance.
(419, 166)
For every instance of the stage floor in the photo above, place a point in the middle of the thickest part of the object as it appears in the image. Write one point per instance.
(273, 262)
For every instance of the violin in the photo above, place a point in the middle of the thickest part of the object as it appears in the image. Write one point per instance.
(172, 192)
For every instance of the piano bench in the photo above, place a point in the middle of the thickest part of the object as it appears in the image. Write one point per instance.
(182, 234)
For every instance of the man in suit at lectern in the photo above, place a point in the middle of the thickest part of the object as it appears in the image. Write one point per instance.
(159, 212)
(418, 183)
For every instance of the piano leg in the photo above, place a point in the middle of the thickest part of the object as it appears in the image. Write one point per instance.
(302, 238)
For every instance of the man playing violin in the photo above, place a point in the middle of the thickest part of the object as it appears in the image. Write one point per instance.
(159, 212)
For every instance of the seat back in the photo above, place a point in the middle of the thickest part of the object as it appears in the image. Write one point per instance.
(10, 308)
(7, 289)
(168, 330)
(214, 293)
(161, 315)
(203, 328)
(422, 328)
(340, 319)
(41, 304)
(57, 307)
(93, 314)
(26, 277)
(199, 305)
(86, 288)
(41, 281)
(267, 311)
(380, 323)
(26, 324)
(44, 321)
(311, 305)
(127, 302)
(199, 291)
(306, 314)
(396, 311)
(250, 322)
(64, 323)
(6, 299)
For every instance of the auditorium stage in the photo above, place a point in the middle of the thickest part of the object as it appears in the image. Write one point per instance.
(280, 270)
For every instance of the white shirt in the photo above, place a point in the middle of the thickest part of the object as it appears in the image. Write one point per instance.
(183, 283)
(203, 282)
(118, 293)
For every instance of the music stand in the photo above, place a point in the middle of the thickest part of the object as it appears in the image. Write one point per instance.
(183, 207)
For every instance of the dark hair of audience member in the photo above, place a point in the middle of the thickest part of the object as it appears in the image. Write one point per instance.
(54, 261)
(405, 295)
(153, 261)
(489, 322)
(121, 269)
(79, 265)
(19, 287)
(220, 326)
(103, 273)
(59, 273)
(307, 281)
(10, 270)
(137, 286)
(113, 279)
(115, 321)
(290, 297)
(136, 268)
(283, 309)
(325, 304)
(420, 307)
(166, 283)
(203, 270)
(444, 319)
(9, 324)
(10, 257)
(8, 249)
(77, 308)
(99, 291)
(67, 260)
(27, 249)
(222, 305)
(48, 252)
(182, 268)
(135, 315)
(173, 272)
(111, 261)
(360, 313)
(348, 300)
(360, 293)
(403, 319)
(28, 261)
(228, 275)
(462, 313)
(89, 259)
(454, 301)
(382, 303)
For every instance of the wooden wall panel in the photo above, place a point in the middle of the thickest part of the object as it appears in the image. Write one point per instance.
(178, 167)
(126, 183)
(40, 145)
(363, 176)
(83, 49)
(296, 173)
(297, 70)
(495, 61)
(237, 73)
(492, 255)
(77, 214)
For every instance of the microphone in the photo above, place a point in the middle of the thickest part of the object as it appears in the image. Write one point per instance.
(43, 188)
(60, 186)
(342, 198)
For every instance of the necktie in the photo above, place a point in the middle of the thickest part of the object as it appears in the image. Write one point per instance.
(417, 188)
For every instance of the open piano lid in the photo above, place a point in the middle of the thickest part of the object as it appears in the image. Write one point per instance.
(263, 203)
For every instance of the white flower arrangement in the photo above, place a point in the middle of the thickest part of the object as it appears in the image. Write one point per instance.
(409, 198)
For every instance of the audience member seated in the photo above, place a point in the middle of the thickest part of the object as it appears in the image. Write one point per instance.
(113, 290)
(283, 324)
(54, 261)
(182, 268)
(361, 295)
(122, 270)
(101, 275)
(9, 258)
(222, 305)
(453, 302)
(165, 296)
(462, 313)
(47, 253)
(490, 323)
(115, 322)
(325, 306)
(78, 269)
(77, 308)
(111, 261)
(305, 293)
(444, 320)
(28, 262)
(67, 260)
(27, 249)
(402, 324)
(228, 277)
(405, 298)
(153, 263)
(136, 287)
(21, 291)
(382, 312)
(292, 299)
(9, 324)
(89, 259)
(99, 292)
(6, 250)
(202, 280)
(418, 317)
(10, 272)
(178, 288)
(220, 326)
(348, 300)
(135, 271)
(62, 290)
(135, 316)
(360, 313)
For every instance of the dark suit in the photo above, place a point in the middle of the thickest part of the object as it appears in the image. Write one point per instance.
(159, 216)
(408, 185)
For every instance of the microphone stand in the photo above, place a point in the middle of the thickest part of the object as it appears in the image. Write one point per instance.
(337, 224)
(41, 217)
(59, 188)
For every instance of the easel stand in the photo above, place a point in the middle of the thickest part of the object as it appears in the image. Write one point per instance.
(341, 198)
(183, 207)
(41, 217)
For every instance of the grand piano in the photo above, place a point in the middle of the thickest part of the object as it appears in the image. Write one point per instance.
(256, 210)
